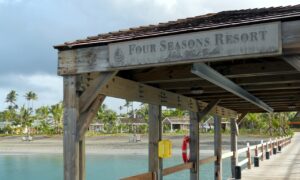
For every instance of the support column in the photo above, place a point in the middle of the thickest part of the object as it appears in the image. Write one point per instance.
(234, 158)
(82, 171)
(218, 147)
(71, 116)
(194, 145)
(155, 135)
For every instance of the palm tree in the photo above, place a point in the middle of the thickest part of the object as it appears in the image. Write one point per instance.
(127, 105)
(11, 98)
(42, 112)
(26, 118)
(31, 96)
(57, 114)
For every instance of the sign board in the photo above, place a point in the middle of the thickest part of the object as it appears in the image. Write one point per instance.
(227, 43)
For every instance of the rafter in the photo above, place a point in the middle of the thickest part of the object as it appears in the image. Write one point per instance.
(204, 71)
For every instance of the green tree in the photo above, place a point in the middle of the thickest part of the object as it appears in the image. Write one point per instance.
(143, 112)
(30, 97)
(173, 113)
(108, 117)
(127, 105)
(26, 118)
(11, 98)
(11, 113)
(57, 113)
(42, 113)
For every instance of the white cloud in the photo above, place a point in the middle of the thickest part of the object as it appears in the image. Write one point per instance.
(48, 88)
(40, 24)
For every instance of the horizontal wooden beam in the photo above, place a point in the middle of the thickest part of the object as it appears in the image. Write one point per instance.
(256, 93)
(144, 176)
(264, 67)
(134, 91)
(207, 160)
(158, 51)
(177, 168)
(250, 89)
(243, 81)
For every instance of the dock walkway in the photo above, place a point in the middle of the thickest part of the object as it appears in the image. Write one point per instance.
(282, 166)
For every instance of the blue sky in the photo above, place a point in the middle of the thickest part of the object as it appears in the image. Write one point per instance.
(29, 29)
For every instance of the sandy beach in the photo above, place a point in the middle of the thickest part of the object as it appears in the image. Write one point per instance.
(110, 144)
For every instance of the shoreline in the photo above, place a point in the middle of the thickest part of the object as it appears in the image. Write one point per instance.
(110, 145)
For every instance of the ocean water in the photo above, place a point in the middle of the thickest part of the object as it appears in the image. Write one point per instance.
(98, 167)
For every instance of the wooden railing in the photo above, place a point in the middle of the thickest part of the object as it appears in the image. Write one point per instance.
(261, 149)
(258, 149)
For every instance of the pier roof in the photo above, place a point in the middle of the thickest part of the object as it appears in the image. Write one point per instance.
(197, 23)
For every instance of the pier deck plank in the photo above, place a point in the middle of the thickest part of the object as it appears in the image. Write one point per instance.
(282, 166)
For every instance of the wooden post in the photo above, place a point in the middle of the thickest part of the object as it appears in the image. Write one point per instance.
(234, 157)
(155, 135)
(271, 147)
(249, 156)
(194, 145)
(82, 175)
(262, 150)
(71, 116)
(256, 151)
(218, 147)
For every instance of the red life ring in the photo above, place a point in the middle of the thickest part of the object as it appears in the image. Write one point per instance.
(184, 147)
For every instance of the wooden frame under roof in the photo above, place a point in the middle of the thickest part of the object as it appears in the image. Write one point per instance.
(252, 55)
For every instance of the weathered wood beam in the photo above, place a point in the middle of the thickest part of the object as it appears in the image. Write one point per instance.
(250, 88)
(213, 76)
(297, 115)
(241, 118)
(89, 95)
(291, 37)
(218, 147)
(155, 135)
(266, 97)
(134, 91)
(233, 141)
(268, 67)
(194, 145)
(82, 160)
(144, 176)
(293, 61)
(229, 95)
(70, 142)
(177, 168)
(208, 109)
(247, 81)
(93, 59)
(123, 55)
(87, 117)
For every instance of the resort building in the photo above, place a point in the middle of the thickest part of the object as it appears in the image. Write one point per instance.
(96, 127)
(176, 123)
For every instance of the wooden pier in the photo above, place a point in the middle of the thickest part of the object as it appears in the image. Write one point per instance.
(282, 166)
(225, 64)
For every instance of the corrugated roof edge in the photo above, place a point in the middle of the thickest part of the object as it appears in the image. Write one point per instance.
(118, 36)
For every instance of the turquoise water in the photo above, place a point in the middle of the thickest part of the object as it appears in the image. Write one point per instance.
(50, 167)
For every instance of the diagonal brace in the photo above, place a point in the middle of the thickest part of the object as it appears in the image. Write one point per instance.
(206, 72)
(208, 109)
(94, 89)
(87, 117)
(293, 61)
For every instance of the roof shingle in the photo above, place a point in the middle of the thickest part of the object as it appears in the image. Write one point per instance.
(197, 23)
